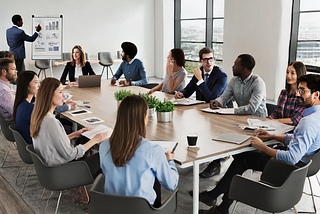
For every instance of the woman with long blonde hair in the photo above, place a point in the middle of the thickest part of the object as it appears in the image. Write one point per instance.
(50, 140)
(129, 162)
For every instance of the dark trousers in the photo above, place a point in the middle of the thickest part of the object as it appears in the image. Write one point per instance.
(157, 189)
(93, 162)
(20, 65)
(249, 160)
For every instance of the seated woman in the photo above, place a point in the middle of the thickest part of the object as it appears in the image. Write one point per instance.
(175, 79)
(129, 162)
(77, 67)
(288, 110)
(27, 88)
(50, 140)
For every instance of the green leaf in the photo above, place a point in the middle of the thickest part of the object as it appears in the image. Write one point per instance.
(121, 94)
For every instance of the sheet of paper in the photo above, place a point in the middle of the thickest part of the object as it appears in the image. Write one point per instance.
(219, 111)
(99, 129)
(186, 101)
(272, 126)
(165, 145)
(66, 96)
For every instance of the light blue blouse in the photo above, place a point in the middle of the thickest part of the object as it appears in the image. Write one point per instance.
(137, 177)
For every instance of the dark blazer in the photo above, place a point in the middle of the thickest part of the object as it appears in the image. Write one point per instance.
(69, 69)
(15, 40)
(211, 90)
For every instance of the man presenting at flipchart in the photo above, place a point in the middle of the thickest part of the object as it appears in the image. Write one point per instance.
(15, 39)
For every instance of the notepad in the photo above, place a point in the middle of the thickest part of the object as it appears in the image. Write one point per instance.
(165, 145)
(219, 111)
(99, 129)
(186, 101)
(232, 138)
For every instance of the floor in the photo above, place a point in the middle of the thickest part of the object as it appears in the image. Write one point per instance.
(12, 201)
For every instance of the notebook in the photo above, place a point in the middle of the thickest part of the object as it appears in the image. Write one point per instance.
(87, 81)
(232, 138)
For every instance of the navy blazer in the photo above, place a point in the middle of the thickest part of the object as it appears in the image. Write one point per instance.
(69, 69)
(15, 40)
(211, 90)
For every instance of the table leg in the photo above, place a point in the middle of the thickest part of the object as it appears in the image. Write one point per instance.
(195, 187)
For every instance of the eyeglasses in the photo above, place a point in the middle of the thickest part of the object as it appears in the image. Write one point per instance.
(301, 91)
(206, 60)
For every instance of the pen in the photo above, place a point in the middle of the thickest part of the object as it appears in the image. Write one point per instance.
(254, 135)
(174, 148)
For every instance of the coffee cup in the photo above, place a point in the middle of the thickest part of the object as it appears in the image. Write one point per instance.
(192, 138)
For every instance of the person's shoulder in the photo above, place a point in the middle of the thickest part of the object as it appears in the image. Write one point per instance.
(219, 71)
(183, 71)
(104, 146)
(87, 63)
(256, 77)
(148, 147)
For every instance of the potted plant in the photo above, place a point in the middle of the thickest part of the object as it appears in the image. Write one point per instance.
(120, 95)
(152, 102)
(164, 111)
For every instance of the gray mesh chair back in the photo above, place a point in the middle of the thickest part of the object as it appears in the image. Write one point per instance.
(61, 177)
(5, 129)
(101, 203)
(42, 64)
(280, 187)
(66, 56)
(106, 61)
(21, 145)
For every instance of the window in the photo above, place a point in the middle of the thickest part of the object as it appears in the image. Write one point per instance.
(305, 37)
(199, 24)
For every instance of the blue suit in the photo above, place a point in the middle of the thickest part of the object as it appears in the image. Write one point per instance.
(15, 40)
(211, 90)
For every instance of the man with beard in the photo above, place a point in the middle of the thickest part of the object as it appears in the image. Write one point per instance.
(304, 142)
(249, 92)
(7, 95)
(131, 67)
(208, 81)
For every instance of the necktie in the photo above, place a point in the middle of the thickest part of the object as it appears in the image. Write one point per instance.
(206, 77)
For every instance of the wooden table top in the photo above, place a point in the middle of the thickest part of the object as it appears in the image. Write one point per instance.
(186, 119)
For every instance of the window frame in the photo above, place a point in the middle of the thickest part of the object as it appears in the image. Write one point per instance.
(295, 21)
(209, 26)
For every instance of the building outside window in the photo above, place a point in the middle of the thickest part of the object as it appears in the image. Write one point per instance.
(199, 24)
(305, 38)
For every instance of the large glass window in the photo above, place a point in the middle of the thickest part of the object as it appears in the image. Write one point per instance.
(199, 24)
(305, 38)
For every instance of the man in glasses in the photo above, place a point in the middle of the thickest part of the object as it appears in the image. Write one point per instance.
(249, 92)
(301, 145)
(208, 81)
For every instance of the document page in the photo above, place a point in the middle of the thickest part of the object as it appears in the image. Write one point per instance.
(165, 145)
(186, 101)
(219, 111)
(99, 129)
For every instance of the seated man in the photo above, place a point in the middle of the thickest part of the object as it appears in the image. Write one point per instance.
(248, 90)
(300, 146)
(131, 67)
(8, 74)
(208, 81)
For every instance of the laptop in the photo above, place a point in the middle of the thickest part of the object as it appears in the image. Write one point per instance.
(87, 81)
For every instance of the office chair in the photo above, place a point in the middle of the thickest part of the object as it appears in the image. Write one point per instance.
(106, 61)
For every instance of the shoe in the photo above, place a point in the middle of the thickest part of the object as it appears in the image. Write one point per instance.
(211, 170)
(205, 198)
(212, 210)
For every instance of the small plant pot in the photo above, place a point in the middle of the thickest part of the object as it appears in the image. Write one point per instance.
(165, 116)
(118, 103)
(151, 112)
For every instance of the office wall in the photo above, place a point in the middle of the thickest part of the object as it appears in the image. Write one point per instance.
(164, 34)
(97, 25)
(262, 29)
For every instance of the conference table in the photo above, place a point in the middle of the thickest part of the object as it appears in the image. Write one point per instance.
(186, 119)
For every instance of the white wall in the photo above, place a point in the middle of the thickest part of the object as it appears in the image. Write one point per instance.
(262, 29)
(97, 25)
(164, 34)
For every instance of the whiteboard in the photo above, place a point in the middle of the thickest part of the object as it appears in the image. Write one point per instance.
(48, 44)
